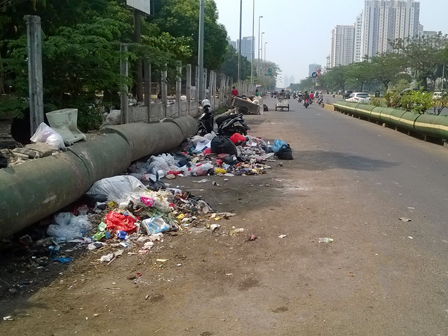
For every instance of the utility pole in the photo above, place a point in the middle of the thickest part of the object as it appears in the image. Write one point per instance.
(36, 91)
(239, 44)
(139, 63)
(200, 84)
(259, 37)
(252, 47)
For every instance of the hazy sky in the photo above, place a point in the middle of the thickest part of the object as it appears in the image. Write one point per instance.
(298, 32)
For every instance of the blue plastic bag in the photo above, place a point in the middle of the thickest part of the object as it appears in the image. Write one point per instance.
(279, 144)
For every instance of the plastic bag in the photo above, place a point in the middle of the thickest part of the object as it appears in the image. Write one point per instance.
(203, 169)
(69, 226)
(278, 144)
(238, 138)
(46, 134)
(222, 144)
(116, 188)
(285, 153)
(116, 221)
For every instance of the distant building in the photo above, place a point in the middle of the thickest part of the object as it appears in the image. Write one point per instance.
(286, 81)
(386, 20)
(342, 45)
(358, 53)
(313, 68)
(233, 44)
(247, 47)
(291, 80)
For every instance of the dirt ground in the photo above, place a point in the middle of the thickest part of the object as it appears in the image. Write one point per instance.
(221, 284)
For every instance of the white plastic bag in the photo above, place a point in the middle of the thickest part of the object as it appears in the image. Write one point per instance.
(69, 226)
(46, 134)
(116, 188)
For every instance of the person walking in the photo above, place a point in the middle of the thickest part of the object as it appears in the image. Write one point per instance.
(235, 92)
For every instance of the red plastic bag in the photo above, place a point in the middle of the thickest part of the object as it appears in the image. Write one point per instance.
(237, 138)
(207, 151)
(116, 221)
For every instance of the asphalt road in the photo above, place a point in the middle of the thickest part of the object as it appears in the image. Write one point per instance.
(390, 175)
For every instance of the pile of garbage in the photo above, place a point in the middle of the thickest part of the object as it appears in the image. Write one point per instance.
(131, 217)
(210, 155)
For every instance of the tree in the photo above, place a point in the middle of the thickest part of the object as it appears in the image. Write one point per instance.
(179, 18)
(358, 74)
(230, 65)
(388, 68)
(423, 55)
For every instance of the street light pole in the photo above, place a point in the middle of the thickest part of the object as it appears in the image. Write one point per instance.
(264, 63)
(239, 44)
(259, 36)
(261, 53)
(200, 83)
(252, 47)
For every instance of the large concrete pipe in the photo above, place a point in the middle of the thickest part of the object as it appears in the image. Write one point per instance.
(36, 189)
(145, 139)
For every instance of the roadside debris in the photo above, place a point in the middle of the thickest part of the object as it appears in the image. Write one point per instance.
(326, 240)
(282, 236)
(404, 219)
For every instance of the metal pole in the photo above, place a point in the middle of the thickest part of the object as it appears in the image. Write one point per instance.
(36, 92)
(179, 87)
(188, 93)
(148, 88)
(200, 85)
(164, 91)
(252, 46)
(239, 42)
(124, 72)
(258, 50)
(264, 63)
(139, 62)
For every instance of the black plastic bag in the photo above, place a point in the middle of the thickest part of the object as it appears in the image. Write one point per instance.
(3, 161)
(285, 153)
(223, 145)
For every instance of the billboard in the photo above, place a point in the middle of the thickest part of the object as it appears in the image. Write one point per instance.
(141, 5)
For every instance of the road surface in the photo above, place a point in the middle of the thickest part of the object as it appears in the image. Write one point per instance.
(351, 181)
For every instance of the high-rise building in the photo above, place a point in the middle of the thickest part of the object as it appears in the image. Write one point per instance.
(358, 55)
(386, 20)
(291, 80)
(233, 44)
(286, 81)
(247, 47)
(342, 45)
(313, 68)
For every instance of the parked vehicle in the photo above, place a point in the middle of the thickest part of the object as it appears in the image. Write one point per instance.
(437, 95)
(229, 124)
(206, 120)
(359, 97)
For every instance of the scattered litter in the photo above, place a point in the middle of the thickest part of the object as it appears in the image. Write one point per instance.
(107, 257)
(404, 219)
(8, 318)
(236, 231)
(162, 260)
(326, 240)
(63, 260)
(410, 237)
(252, 237)
(282, 236)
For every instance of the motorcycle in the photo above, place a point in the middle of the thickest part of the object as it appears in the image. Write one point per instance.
(320, 101)
(306, 103)
(206, 120)
(300, 99)
(231, 124)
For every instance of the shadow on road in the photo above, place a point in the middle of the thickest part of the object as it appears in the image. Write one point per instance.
(322, 160)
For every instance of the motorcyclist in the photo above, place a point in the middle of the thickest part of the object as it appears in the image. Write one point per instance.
(306, 96)
(311, 95)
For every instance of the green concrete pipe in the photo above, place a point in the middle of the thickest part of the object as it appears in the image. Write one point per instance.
(36, 189)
